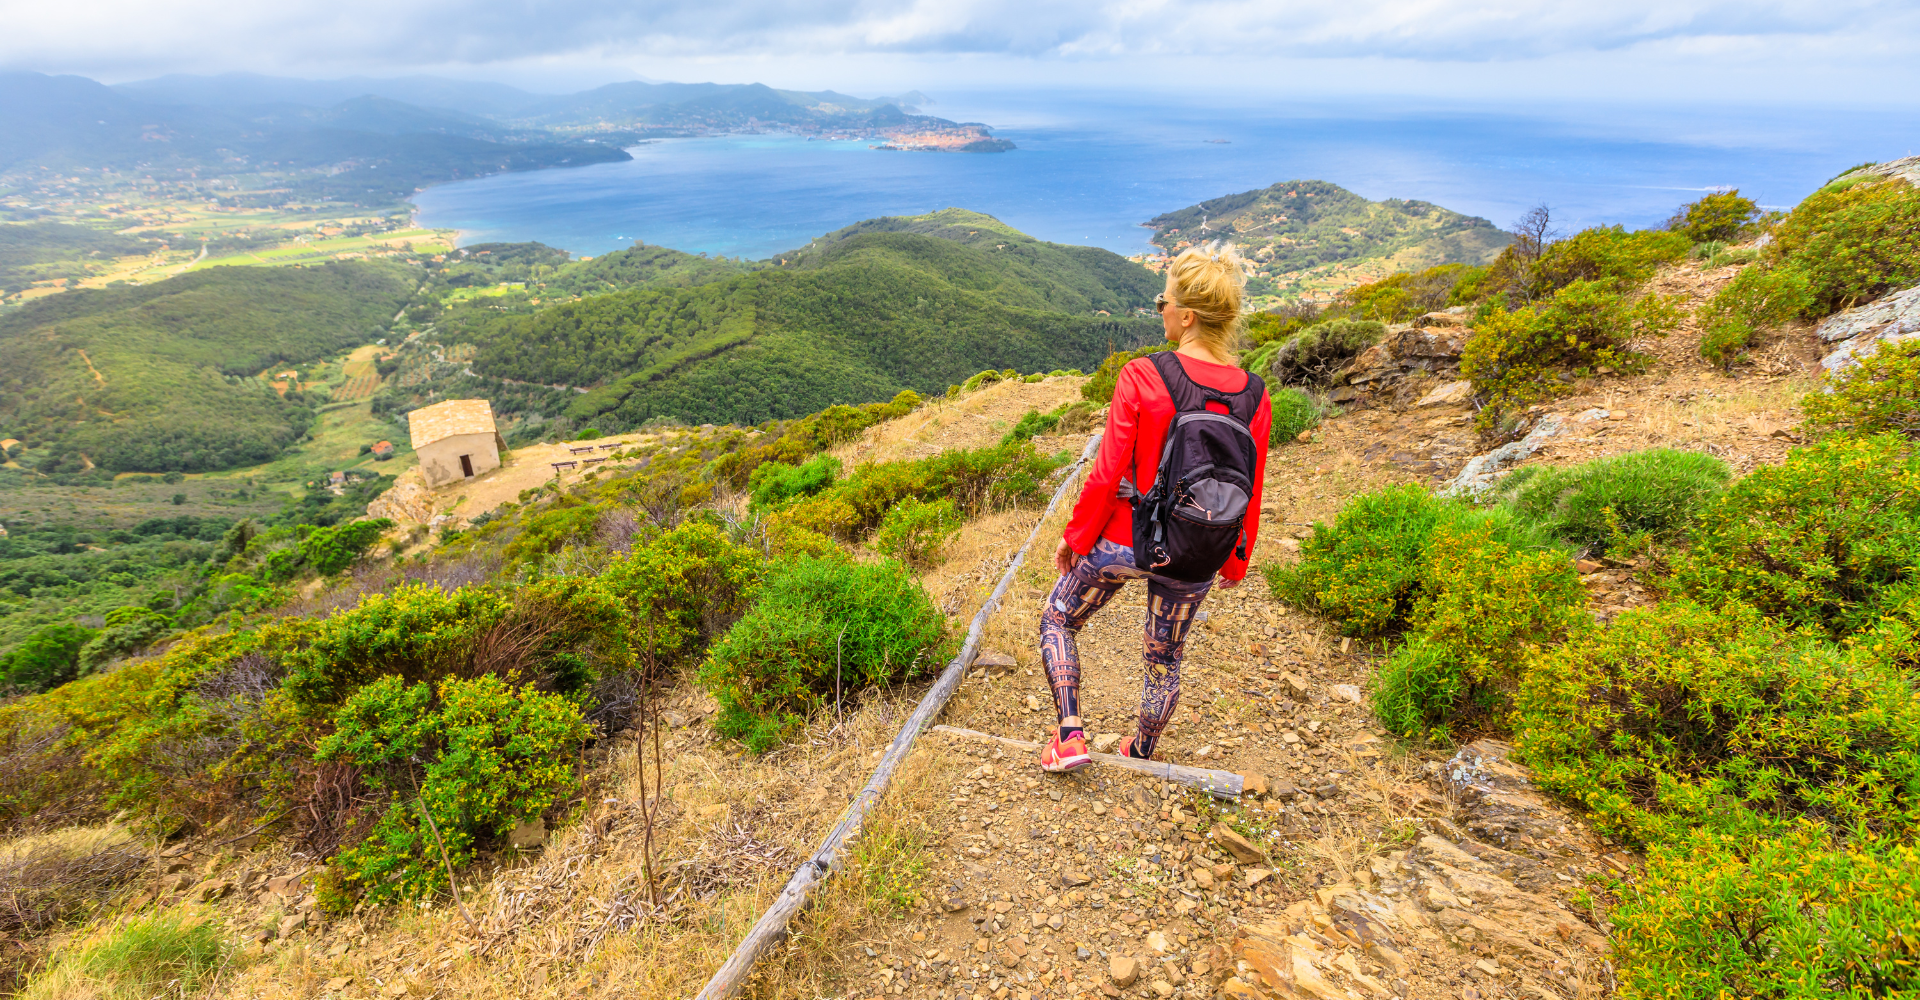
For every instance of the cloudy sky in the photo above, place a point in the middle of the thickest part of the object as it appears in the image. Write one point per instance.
(1855, 52)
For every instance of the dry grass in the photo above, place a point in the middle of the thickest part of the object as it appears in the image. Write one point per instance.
(975, 420)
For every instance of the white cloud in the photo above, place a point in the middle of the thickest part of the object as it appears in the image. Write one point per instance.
(1785, 47)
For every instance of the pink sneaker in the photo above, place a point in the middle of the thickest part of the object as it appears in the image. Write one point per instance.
(1067, 755)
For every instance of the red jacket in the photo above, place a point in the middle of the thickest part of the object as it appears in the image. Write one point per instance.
(1136, 432)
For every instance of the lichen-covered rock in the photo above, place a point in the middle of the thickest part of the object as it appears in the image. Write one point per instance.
(1859, 332)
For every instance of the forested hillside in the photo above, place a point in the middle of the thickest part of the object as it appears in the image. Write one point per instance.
(1295, 226)
(161, 377)
(852, 319)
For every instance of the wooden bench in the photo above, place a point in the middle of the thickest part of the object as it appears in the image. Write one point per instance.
(580, 451)
(610, 447)
(594, 461)
(559, 467)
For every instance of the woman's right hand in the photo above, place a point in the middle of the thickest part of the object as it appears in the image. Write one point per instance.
(1064, 558)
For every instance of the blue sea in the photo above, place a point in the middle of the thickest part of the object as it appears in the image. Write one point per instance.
(1091, 168)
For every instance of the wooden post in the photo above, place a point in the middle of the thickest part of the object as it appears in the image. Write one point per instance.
(1219, 784)
(771, 928)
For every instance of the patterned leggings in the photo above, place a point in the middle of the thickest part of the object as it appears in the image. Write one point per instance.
(1170, 608)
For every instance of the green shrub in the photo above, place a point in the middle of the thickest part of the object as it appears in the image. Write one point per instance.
(1066, 418)
(815, 620)
(1757, 297)
(330, 550)
(164, 954)
(1683, 713)
(775, 483)
(1512, 357)
(1876, 394)
(977, 481)
(1294, 412)
(1099, 387)
(481, 758)
(129, 630)
(1365, 571)
(683, 589)
(1316, 353)
(1854, 242)
(1406, 294)
(917, 533)
(48, 658)
(1599, 504)
(1723, 217)
(567, 520)
(1830, 538)
(1483, 606)
(1607, 255)
(1797, 914)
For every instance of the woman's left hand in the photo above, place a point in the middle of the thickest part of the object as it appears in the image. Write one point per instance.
(1226, 584)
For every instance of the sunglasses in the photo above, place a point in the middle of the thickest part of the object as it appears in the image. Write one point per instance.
(1160, 302)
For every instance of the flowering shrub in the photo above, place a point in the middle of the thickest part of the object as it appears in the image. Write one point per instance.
(1874, 395)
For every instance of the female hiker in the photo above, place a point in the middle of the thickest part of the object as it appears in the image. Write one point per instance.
(1173, 498)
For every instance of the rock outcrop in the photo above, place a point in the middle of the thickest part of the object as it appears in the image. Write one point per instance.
(407, 503)
(1482, 471)
(1859, 332)
(1445, 909)
(1431, 345)
(1907, 168)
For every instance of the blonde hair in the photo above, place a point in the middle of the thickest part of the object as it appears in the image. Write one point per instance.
(1209, 281)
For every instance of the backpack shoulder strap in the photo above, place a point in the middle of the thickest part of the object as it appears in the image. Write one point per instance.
(1187, 395)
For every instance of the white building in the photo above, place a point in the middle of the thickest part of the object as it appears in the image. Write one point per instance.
(455, 439)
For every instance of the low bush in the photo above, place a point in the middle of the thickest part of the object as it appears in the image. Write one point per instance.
(1366, 571)
(331, 550)
(1098, 389)
(1066, 418)
(1852, 241)
(1513, 357)
(1757, 297)
(468, 761)
(682, 590)
(1599, 505)
(1295, 411)
(1400, 297)
(1684, 714)
(48, 658)
(820, 625)
(1316, 353)
(1721, 217)
(1608, 255)
(775, 483)
(1801, 913)
(128, 630)
(917, 533)
(1483, 607)
(977, 481)
(567, 520)
(164, 954)
(1830, 538)
(1877, 394)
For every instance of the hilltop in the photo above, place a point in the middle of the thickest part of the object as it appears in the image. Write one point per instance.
(1300, 234)
(889, 304)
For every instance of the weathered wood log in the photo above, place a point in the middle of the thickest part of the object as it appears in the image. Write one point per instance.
(771, 928)
(1219, 784)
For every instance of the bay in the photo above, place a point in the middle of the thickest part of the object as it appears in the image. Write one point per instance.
(1091, 167)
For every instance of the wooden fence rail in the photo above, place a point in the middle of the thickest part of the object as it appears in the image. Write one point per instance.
(771, 928)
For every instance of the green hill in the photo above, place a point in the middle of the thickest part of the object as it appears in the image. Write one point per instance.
(905, 303)
(160, 377)
(1296, 226)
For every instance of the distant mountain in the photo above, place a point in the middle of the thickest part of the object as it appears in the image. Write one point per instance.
(1297, 226)
(641, 107)
(904, 303)
(376, 149)
(235, 90)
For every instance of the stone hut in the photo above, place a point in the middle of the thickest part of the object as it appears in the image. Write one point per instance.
(455, 440)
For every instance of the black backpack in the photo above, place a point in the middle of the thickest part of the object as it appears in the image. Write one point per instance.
(1193, 517)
